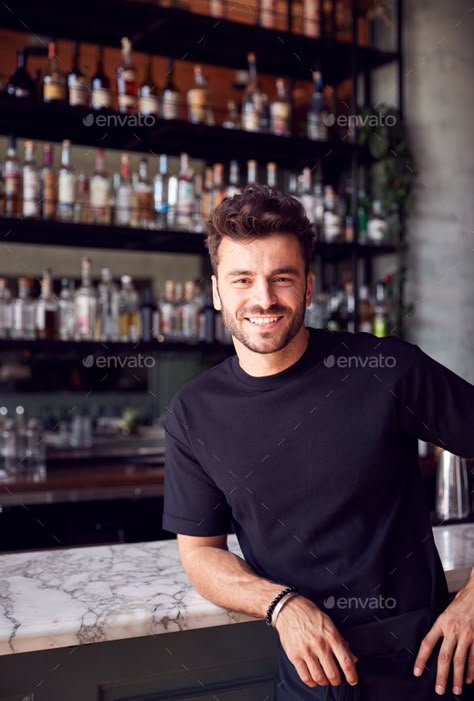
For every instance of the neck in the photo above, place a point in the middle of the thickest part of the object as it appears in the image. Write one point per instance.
(261, 364)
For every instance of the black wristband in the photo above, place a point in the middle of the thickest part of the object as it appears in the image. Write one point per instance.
(279, 597)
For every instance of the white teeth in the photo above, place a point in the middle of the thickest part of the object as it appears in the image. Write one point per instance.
(262, 322)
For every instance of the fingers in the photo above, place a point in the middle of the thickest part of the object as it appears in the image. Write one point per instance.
(470, 666)
(444, 663)
(426, 648)
(459, 664)
(347, 661)
(310, 672)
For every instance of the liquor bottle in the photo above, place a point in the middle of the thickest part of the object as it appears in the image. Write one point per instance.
(198, 220)
(190, 313)
(12, 175)
(167, 312)
(124, 194)
(348, 218)
(332, 220)
(251, 104)
(5, 309)
(100, 191)
(272, 177)
(143, 197)
(100, 84)
(252, 172)
(216, 8)
(82, 205)
(318, 194)
(233, 188)
(178, 311)
(149, 319)
(334, 320)
(267, 13)
(2, 192)
(31, 182)
(366, 310)
(349, 308)
(208, 192)
(377, 225)
(317, 114)
(306, 196)
(172, 199)
(232, 119)
(380, 312)
(170, 101)
(218, 190)
(66, 184)
(185, 203)
(280, 111)
(265, 121)
(148, 96)
(85, 304)
(160, 193)
(66, 311)
(54, 80)
(48, 184)
(127, 87)
(108, 308)
(47, 309)
(21, 85)
(129, 311)
(77, 81)
(207, 319)
(197, 98)
(311, 9)
(23, 311)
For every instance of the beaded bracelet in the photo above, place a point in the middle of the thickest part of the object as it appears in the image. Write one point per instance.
(268, 617)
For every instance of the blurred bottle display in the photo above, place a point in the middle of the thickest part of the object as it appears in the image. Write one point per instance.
(127, 86)
(77, 81)
(100, 84)
(54, 80)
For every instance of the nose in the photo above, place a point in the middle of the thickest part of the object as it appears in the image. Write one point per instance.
(264, 294)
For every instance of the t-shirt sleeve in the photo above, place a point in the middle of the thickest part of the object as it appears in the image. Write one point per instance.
(193, 504)
(436, 405)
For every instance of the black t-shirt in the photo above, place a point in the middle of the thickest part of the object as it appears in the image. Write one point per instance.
(317, 468)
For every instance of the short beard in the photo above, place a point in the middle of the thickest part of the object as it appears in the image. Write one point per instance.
(273, 344)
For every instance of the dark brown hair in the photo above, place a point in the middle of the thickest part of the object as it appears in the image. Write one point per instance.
(259, 211)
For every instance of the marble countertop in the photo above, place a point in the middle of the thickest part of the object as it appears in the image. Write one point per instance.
(59, 598)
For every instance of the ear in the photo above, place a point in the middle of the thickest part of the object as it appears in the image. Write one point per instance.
(309, 288)
(215, 294)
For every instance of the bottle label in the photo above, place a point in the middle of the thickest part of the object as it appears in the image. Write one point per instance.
(12, 179)
(123, 205)
(171, 106)
(78, 94)
(99, 192)
(127, 102)
(197, 105)
(185, 199)
(250, 119)
(100, 98)
(31, 190)
(54, 91)
(49, 194)
(280, 112)
(149, 105)
(66, 188)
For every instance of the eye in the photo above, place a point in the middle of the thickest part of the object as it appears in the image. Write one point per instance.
(283, 279)
(242, 280)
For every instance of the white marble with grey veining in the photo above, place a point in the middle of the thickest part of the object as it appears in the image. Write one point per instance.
(59, 598)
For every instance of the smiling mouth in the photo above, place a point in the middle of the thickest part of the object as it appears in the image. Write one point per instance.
(263, 321)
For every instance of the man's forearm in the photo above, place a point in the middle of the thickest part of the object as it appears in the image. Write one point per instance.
(228, 581)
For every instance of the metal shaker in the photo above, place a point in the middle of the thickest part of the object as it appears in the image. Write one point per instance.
(452, 487)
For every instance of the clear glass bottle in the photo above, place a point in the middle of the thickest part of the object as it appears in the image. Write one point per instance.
(108, 308)
(251, 104)
(31, 182)
(232, 119)
(127, 86)
(21, 85)
(100, 191)
(85, 304)
(66, 184)
(317, 115)
(160, 193)
(24, 311)
(12, 175)
(218, 190)
(5, 309)
(124, 194)
(207, 194)
(143, 197)
(66, 310)
(100, 84)
(366, 310)
(47, 309)
(280, 111)
(272, 175)
(198, 98)
(332, 220)
(185, 203)
(77, 81)
(252, 173)
(377, 224)
(171, 98)
(190, 313)
(233, 188)
(49, 184)
(148, 96)
(380, 311)
(306, 195)
(167, 312)
(129, 311)
(54, 80)
(172, 200)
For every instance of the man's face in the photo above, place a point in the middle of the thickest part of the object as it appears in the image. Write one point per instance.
(262, 290)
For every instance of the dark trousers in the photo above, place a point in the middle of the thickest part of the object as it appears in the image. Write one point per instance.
(387, 651)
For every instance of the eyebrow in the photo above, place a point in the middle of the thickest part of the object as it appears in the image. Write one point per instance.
(279, 271)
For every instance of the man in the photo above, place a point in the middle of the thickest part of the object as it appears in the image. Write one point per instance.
(307, 440)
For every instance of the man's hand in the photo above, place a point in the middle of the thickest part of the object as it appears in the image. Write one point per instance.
(312, 642)
(456, 626)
